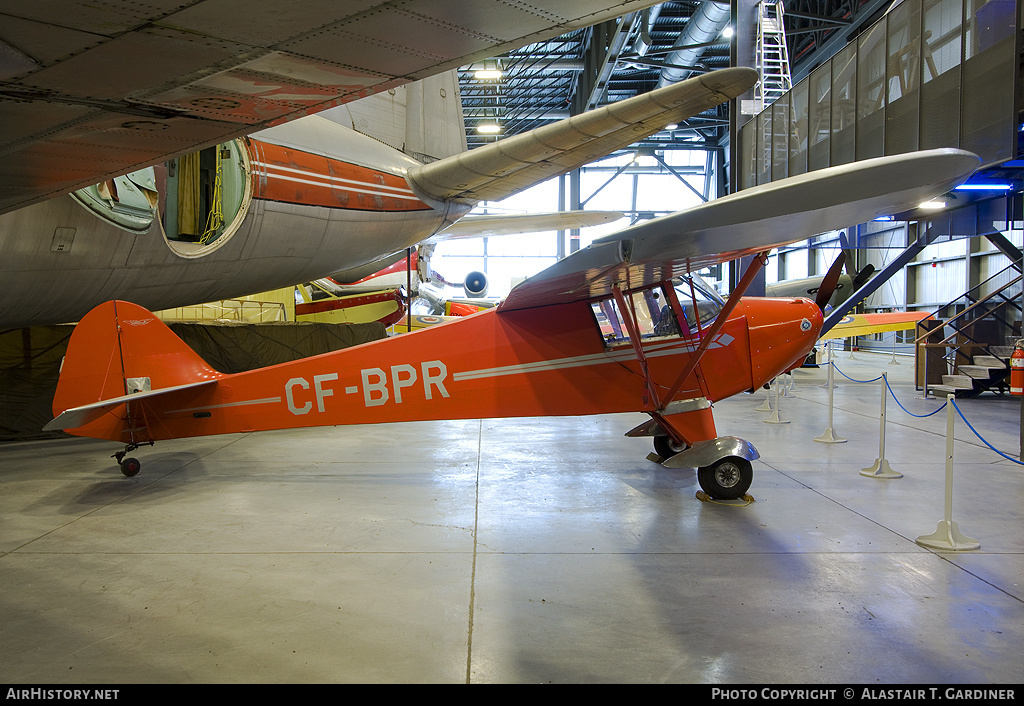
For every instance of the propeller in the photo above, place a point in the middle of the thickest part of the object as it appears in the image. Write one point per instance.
(863, 275)
(829, 282)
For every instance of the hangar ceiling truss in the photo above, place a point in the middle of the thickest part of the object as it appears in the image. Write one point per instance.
(615, 60)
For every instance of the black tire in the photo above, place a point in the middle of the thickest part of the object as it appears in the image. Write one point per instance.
(130, 466)
(728, 478)
(666, 448)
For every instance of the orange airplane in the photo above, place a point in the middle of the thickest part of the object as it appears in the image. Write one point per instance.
(619, 326)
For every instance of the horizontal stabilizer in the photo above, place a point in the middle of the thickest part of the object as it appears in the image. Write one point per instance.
(80, 416)
(513, 224)
(747, 222)
(498, 170)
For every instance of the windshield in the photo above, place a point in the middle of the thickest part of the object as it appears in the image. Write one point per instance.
(709, 302)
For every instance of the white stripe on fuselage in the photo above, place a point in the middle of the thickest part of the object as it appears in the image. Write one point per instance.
(325, 180)
(652, 351)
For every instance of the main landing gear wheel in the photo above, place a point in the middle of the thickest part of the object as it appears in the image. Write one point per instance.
(727, 478)
(665, 447)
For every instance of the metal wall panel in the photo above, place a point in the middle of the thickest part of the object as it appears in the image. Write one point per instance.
(820, 117)
(871, 93)
(930, 73)
(989, 58)
(747, 156)
(903, 78)
(844, 105)
(940, 81)
(781, 131)
(798, 127)
(764, 147)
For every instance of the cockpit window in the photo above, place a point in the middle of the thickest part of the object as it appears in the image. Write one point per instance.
(654, 317)
(654, 314)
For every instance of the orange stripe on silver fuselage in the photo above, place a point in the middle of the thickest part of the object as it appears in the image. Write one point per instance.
(295, 176)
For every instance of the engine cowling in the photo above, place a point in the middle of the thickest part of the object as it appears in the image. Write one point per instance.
(475, 284)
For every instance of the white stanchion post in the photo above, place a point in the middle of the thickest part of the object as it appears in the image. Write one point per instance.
(894, 361)
(766, 406)
(829, 436)
(853, 344)
(775, 417)
(881, 468)
(948, 536)
(828, 354)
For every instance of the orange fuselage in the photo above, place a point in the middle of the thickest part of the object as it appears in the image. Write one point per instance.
(548, 361)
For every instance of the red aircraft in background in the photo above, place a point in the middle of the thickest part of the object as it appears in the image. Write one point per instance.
(616, 327)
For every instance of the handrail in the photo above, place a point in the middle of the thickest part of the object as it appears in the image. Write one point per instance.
(967, 294)
(1018, 278)
(988, 313)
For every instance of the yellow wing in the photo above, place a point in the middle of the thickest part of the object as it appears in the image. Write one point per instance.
(863, 324)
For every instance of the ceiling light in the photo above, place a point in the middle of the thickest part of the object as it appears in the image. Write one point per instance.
(488, 128)
(932, 205)
(984, 187)
(727, 32)
(485, 74)
(672, 126)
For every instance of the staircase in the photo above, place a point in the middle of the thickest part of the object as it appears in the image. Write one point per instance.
(983, 325)
(986, 372)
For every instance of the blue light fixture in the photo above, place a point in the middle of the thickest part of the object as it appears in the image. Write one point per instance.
(985, 186)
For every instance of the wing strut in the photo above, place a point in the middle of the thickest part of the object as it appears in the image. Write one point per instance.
(629, 318)
(752, 269)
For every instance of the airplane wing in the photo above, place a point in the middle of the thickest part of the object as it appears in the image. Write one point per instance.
(745, 223)
(512, 224)
(864, 324)
(93, 90)
(505, 167)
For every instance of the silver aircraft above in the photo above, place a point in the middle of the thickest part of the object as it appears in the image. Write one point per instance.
(167, 153)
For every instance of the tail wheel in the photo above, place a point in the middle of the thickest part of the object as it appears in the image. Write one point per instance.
(130, 466)
(665, 447)
(728, 478)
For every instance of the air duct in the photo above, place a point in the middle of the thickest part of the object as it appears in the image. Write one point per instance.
(704, 26)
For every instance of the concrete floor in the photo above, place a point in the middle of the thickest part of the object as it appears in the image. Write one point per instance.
(536, 550)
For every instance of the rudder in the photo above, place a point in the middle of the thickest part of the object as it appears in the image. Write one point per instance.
(119, 348)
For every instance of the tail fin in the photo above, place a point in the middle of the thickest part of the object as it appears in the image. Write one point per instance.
(120, 349)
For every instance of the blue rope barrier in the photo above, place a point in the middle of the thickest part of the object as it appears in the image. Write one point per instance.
(1019, 463)
(848, 377)
(921, 416)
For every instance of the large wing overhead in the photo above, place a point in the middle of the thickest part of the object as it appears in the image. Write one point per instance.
(92, 90)
(506, 167)
(516, 223)
(747, 222)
